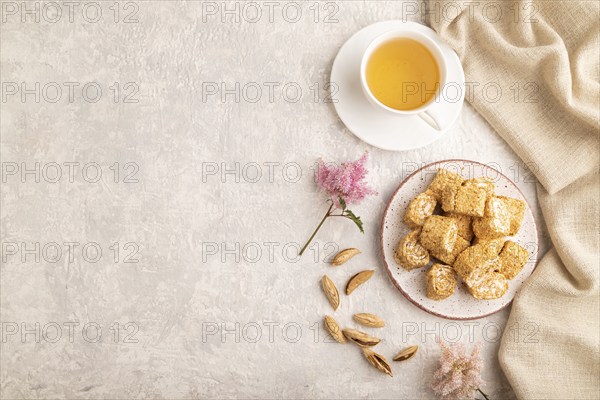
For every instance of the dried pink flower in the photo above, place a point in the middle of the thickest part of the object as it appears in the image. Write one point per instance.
(345, 181)
(459, 374)
(344, 184)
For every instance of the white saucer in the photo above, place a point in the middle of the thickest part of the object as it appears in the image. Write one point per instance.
(378, 127)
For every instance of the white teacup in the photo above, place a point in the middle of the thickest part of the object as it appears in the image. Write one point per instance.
(431, 111)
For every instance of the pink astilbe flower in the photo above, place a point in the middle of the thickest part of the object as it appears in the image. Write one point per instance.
(344, 184)
(345, 181)
(459, 374)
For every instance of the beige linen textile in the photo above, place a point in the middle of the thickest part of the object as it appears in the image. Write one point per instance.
(557, 132)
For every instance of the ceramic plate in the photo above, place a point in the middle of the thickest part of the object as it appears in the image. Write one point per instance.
(412, 284)
(375, 126)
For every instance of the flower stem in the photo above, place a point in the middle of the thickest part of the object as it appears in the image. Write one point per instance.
(484, 395)
(316, 230)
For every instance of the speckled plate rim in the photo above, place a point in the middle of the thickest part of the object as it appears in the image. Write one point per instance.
(389, 270)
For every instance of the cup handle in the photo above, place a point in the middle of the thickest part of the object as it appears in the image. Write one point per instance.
(434, 116)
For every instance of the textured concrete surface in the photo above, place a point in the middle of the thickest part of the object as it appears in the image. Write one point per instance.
(180, 252)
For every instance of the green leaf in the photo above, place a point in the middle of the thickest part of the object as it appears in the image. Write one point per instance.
(350, 215)
(342, 203)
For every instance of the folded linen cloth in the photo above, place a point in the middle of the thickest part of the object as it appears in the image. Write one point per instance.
(544, 55)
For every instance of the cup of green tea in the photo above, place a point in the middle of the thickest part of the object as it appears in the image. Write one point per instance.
(403, 72)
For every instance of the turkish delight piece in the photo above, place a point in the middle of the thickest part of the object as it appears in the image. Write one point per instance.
(493, 286)
(410, 254)
(449, 257)
(465, 200)
(439, 234)
(495, 245)
(476, 257)
(483, 183)
(443, 179)
(465, 230)
(496, 221)
(441, 281)
(513, 258)
(419, 209)
(516, 208)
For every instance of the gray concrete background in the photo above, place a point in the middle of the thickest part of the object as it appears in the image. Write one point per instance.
(166, 218)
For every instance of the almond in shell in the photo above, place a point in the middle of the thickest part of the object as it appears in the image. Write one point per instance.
(358, 280)
(334, 329)
(344, 256)
(370, 320)
(331, 292)
(360, 338)
(406, 353)
(378, 361)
